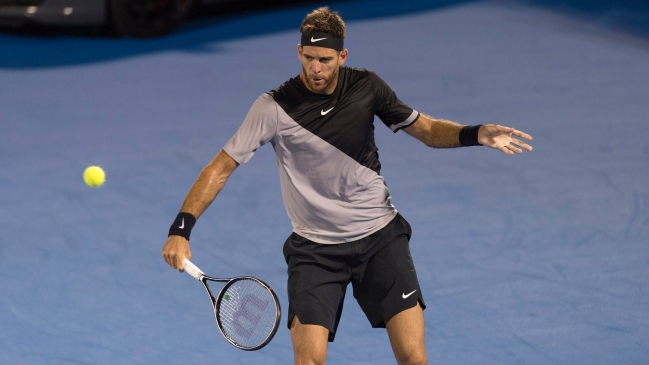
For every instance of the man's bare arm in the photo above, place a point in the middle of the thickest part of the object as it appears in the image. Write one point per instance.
(440, 133)
(208, 184)
(437, 133)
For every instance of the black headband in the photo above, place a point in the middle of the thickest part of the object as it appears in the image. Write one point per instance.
(321, 39)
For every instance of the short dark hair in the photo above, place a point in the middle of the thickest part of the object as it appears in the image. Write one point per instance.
(323, 20)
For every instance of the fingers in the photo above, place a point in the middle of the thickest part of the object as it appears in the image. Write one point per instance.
(505, 130)
(181, 260)
(522, 144)
(180, 263)
(520, 134)
(514, 149)
(502, 138)
(174, 252)
(506, 150)
(499, 129)
(511, 148)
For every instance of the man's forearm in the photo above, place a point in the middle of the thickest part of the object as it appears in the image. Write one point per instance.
(208, 184)
(437, 133)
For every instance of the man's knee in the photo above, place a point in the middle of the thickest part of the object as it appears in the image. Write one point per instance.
(412, 358)
(309, 359)
(309, 343)
(406, 331)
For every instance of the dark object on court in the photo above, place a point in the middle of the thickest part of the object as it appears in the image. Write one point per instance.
(130, 18)
(148, 18)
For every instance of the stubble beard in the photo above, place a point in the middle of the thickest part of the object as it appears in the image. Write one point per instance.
(325, 85)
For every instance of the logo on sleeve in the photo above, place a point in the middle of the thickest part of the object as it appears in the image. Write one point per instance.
(409, 294)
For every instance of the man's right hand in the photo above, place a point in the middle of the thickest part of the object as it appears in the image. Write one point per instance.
(175, 251)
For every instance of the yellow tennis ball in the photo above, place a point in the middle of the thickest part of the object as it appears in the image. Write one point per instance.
(94, 176)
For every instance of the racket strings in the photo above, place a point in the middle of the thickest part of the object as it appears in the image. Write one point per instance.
(247, 313)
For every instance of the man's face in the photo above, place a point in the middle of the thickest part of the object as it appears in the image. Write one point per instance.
(320, 68)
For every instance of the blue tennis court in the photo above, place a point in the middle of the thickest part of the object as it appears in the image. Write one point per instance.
(539, 258)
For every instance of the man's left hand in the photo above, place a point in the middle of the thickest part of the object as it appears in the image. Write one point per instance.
(502, 138)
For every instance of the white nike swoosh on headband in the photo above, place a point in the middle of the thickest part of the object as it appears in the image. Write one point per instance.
(316, 40)
(409, 294)
(182, 225)
(323, 112)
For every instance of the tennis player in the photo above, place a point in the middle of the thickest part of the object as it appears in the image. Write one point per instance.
(345, 228)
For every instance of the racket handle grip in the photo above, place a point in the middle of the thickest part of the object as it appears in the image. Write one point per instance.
(193, 270)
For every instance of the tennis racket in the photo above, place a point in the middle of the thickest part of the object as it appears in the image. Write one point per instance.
(247, 310)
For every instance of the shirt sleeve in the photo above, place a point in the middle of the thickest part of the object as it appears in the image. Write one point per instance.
(393, 112)
(257, 129)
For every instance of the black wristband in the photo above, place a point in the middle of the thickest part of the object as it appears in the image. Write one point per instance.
(183, 225)
(469, 135)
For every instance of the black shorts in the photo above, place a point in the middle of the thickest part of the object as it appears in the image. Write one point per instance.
(379, 267)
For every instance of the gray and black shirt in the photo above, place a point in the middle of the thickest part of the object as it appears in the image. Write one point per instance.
(328, 162)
